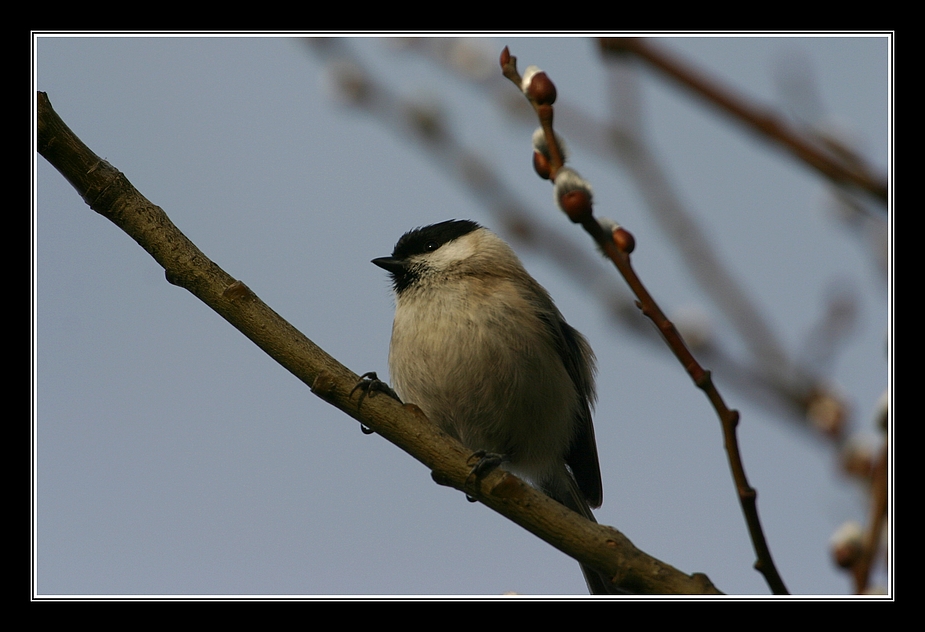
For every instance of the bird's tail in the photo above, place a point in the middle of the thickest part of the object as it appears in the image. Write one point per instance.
(565, 490)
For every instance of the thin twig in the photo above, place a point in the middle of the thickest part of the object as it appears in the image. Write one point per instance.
(618, 245)
(771, 379)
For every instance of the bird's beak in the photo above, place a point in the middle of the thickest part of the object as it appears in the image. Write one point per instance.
(390, 264)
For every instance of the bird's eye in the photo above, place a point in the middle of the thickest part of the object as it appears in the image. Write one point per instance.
(430, 246)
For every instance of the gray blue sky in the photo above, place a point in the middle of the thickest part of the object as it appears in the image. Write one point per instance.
(173, 457)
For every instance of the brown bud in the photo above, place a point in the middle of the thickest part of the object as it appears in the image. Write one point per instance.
(541, 165)
(505, 57)
(624, 240)
(542, 90)
(858, 457)
(576, 204)
(847, 544)
(826, 413)
(847, 554)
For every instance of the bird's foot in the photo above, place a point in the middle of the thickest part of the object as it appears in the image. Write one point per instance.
(369, 385)
(485, 462)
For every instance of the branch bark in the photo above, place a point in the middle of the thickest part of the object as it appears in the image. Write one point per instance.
(108, 192)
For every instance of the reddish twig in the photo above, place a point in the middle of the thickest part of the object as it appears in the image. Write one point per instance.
(802, 392)
(764, 122)
(575, 200)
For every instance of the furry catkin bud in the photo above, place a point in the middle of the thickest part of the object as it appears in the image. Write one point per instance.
(573, 195)
(540, 145)
(847, 543)
(624, 240)
(576, 204)
(826, 412)
(538, 86)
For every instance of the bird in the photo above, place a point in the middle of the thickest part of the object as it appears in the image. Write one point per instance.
(479, 346)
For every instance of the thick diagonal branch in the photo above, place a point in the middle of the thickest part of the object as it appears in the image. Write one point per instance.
(108, 192)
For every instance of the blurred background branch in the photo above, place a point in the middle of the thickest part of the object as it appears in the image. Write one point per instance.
(835, 161)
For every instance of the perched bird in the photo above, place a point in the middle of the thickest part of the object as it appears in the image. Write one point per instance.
(480, 347)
